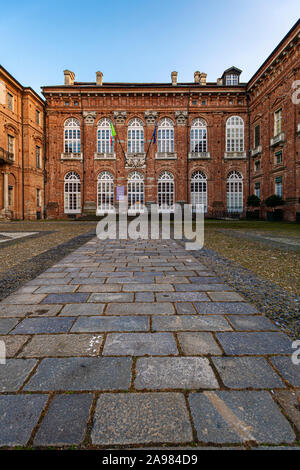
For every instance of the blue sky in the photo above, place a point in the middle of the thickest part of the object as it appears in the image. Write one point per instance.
(139, 41)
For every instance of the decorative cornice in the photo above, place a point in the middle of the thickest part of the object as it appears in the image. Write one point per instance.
(150, 116)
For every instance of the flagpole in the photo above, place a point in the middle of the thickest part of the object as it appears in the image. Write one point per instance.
(151, 140)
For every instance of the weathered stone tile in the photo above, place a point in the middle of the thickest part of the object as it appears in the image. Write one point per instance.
(52, 275)
(100, 288)
(290, 402)
(13, 343)
(237, 343)
(113, 274)
(171, 280)
(103, 324)
(26, 290)
(140, 308)
(31, 326)
(201, 287)
(225, 297)
(76, 297)
(245, 322)
(111, 297)
(131, 280)
(23, 299)
(19, 414)
(198, 343)
(14, 373)
(174, 372)
(41, 282)
(127, 418)
(144, 297)
(81, 373)
(62, 345)
(82, 309)
(20, 311)
(133, 287)
(229, 308)
(185, 308)
(66, 420)
(139, 344)
(7, 324)
(237, 416)
(288, 370)
(247, 372)
(204, 280)
(182, 297)
(87, 282)
(55, 289)
(190, 323)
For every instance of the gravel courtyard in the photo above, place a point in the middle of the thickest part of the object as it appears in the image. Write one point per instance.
(139, 343)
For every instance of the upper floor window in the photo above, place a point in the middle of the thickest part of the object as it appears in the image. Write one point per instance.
(198, 136)
(277, 122)
(135, 136)
(235, 134)
(257, 165)
(165, 135)
(278, 186)
(256, 136)
(232, 79)
(278, 158)
(37, 117)
(72, 140)
(257, 189)
(11, 146)
(105, 142)
(38, 198)
(10, 101)
(38, 156)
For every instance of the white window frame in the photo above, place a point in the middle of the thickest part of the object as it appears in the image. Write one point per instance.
(105, 143)
(165, 136)
(235, 134)
(135, 192)
(38, 197)
(105, 193)
(198, 191)
(135, 136)
(72, 193)
(277, 122)
(10, 101)
(257, 189)
(11, 145)
(72, 136)
(234, 191)
(278, 186)
(198, 136)
(232, 79)
(166, 192)
(38, 161)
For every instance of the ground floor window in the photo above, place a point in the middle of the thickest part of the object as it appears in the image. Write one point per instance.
(234, 192)
(198, 191)
(257, 189)
(135, 192)
(38, 198)
(278, 186)
(105, 192)
(166, 192)
(10, 196)
(72, 193)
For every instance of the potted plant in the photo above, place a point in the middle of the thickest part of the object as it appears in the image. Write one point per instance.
(253, 201)
(273, 202)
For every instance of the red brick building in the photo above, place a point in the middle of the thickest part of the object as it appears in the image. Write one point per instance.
(209, 138)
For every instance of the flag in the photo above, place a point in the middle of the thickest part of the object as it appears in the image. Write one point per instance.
(154, 135)
(113, 132)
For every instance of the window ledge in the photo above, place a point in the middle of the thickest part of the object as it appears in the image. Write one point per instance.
(104, 156)
(166, 156)
(256, 151)
(277, 139)
(71, 156)
(6, 157)
(235, 155)
(199, 156)
(70, 211)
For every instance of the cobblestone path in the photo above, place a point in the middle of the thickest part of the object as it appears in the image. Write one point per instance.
(135, 343)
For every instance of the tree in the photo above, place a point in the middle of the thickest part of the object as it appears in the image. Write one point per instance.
(253, 201)
(274, 201)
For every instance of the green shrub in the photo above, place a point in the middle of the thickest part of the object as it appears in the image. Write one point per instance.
(274, 201)
(253, 201)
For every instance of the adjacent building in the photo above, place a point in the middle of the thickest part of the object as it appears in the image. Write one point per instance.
(21, 150)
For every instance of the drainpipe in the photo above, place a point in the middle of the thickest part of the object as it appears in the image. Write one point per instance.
(83, 167)
(44, 158)
(187, 147)
(249, 147)
(22, 143)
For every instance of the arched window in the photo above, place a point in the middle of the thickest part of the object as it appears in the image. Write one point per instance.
(234, 192)
(135, 192)
(198, 136)
(135, 136)
(105, 193)
(165, 136)
(104, 138)
(165, 192)
(72, 193)
(72, 140)
(235, 134)
(198, 191)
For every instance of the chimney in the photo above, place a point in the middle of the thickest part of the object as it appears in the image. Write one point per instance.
(69, 77)
(174, 78)
(203, 78)
(197, 77)
(99, 78)
(219, 81)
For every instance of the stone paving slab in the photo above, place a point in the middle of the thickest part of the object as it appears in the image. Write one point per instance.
(82, 309)
(237, 416)
(14, 373)
(201, 287)
(66, 420)
(247, 372)
(62, 345)
(140, 308)
(43, 325)
(141, 419)
(13, 343)
(237, 343)
(26, 310)
(18, 416)
(24, 299)
(111, 297)
(248, 323)
(198, 343)
(110, 323)
(139, 344)
(182, 297)
(77, 297)
(226, 308)
(174, 372)
(290, 402)
(190, 323)
(7, 324)
(288, 370)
